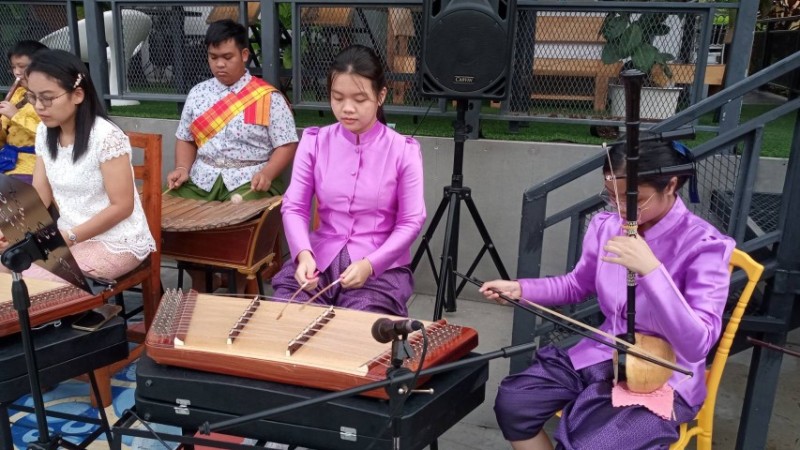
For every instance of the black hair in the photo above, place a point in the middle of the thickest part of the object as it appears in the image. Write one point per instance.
(652, 155)
(224, 30)
(363, 61)
(26, 48)
(70, 73)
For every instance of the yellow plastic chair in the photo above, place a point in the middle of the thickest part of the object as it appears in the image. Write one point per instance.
(703, 425)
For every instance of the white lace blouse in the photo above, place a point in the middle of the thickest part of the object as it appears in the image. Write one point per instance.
(79, 192)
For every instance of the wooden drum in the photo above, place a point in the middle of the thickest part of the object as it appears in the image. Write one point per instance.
(225, 234)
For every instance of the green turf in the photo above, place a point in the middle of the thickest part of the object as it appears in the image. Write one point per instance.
(777, 135)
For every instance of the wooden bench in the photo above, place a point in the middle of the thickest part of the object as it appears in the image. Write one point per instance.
(328, 16)
(684, 74)
(583, 31)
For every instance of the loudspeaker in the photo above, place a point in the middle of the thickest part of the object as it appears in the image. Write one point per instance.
(467, 46)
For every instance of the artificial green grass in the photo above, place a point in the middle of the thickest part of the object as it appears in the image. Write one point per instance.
(777, 137)
(153, 110)
(776, 141)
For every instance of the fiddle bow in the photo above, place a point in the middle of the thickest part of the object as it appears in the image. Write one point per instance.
(584, 330)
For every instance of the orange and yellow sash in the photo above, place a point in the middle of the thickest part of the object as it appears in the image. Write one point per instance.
(253, 99)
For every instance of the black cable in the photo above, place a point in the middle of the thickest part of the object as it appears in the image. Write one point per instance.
(150, 429)
(423, 118)
(421, 361)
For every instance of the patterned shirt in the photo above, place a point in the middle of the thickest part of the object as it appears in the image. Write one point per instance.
(237, 141)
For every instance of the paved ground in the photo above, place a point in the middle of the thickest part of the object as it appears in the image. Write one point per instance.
(479, 429)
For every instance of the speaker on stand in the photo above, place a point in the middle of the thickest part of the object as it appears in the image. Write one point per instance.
(467, 49)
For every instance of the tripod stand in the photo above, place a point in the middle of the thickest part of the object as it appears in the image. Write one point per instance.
(446, 291)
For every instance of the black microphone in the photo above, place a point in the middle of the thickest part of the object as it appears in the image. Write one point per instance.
(385, 330)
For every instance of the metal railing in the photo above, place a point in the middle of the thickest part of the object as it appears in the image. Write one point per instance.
(759, 221)
(726, 184)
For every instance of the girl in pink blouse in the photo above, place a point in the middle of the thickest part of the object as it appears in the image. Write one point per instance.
(367, 181)
(681, 266)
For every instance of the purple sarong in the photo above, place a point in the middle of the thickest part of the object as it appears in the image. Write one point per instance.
(386, 294)
(525, 401)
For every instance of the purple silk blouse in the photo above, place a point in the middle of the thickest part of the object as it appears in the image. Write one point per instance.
(369, 193)
(681, 301)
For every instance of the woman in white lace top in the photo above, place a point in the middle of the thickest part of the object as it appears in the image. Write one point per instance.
(83, 164)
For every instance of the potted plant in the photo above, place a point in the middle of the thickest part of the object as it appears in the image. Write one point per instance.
(631, 38)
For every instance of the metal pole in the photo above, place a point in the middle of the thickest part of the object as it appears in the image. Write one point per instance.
(96, 43)
(270, 42)
(739, 61)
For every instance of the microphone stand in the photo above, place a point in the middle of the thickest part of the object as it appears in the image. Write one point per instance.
(18, 258)
(396, 388)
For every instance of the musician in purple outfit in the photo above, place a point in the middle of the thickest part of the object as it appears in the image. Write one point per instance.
(367, 181)
(681, 262)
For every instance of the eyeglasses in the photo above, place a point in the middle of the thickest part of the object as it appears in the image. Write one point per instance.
(612, 200)
(45, 101)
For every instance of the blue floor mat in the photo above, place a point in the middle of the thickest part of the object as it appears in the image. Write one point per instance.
(73, 397)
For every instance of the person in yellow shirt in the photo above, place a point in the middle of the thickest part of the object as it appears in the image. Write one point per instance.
(18, 119)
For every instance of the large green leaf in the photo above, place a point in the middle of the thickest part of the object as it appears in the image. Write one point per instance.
(632, 39)
(662, 59)
(610, 53)
(643, 57)
(614, 27)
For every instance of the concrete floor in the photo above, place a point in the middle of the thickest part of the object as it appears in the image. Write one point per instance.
(479, 429)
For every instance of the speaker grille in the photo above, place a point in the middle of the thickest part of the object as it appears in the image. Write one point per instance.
(468, 56)
(467, 50)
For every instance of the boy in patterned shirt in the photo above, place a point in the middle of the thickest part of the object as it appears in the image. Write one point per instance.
(236, 133)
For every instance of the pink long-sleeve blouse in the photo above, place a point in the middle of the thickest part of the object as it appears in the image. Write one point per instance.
(369, 193)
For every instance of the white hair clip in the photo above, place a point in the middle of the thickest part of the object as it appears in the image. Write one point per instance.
(78, 81)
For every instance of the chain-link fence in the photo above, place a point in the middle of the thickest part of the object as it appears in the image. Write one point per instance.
(34, 21)
(567, 55)
(173, 57)
(559, 69)
(567, 61)
(393, 32)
